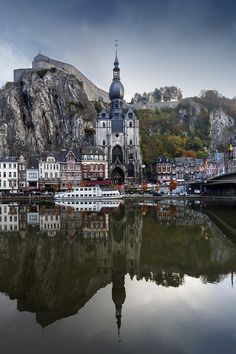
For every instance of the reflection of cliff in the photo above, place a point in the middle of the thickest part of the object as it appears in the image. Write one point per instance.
(195, 247)
(54, 271)
(55, 276)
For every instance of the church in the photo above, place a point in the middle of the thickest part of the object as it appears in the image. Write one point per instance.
(117, 133)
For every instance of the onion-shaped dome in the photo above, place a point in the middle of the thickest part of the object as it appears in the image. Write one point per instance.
(116, 90)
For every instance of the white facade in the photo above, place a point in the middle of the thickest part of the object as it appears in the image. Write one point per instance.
(49, 169)
(32, 175)
(8, 174)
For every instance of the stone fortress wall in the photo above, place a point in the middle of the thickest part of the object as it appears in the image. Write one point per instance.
(155, 105)
(43, 62)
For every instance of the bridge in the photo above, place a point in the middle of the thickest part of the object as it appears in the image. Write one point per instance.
(223, 184)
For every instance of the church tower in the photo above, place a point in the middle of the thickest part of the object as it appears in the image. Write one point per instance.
(117, 133)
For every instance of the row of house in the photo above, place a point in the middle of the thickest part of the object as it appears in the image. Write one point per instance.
(52, 170)
(188, 169)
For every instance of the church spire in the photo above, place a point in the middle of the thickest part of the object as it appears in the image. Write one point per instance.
(116, 70)
(116, 91)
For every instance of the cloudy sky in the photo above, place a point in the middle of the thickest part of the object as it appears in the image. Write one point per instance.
(187, 43)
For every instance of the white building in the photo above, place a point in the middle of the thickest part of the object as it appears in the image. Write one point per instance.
(32, 173)
(49, 171)
(8, 173)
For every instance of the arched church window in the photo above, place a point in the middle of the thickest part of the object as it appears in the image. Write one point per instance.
(117, 154)
(130, 124)
(103, 125)
(130, 142)
(130, 170)
(116, 105)
(103, 143)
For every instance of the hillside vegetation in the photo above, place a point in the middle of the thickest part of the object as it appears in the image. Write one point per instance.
(197, 126)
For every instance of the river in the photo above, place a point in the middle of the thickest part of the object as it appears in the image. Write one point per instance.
(140, 278)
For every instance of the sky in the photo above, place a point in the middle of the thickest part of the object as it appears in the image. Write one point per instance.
(187, 43)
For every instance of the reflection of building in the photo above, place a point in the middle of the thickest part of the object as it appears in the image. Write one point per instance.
(9, 217)
(50, 221)
(95, 225)
(91, 250)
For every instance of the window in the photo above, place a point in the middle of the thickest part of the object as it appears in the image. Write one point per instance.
(130, 124)
(103, 143)
(117, 154)
(103, 125)
(130, 142)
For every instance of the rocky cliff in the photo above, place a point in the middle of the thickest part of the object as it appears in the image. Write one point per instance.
(45, 110)
(215, 122)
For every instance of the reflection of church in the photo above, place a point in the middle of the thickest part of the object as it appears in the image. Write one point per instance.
(56, 276)
(117, 133)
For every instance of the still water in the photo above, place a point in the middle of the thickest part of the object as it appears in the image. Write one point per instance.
(132, 279)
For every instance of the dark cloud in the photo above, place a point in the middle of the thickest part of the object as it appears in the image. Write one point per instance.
(167, 41)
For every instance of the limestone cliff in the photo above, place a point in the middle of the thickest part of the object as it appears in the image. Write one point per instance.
(215, 123)
(45, 110)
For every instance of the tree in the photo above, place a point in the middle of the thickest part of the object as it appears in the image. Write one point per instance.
(172, 185)
(157, 95)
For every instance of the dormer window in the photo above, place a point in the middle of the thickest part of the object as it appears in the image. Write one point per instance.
(103, 115)
(130, 115)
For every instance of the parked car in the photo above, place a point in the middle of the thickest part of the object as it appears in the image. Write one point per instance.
(15, 192)
(183, 194)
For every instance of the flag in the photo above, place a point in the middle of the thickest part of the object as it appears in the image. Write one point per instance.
(230, 150)
(217, 156)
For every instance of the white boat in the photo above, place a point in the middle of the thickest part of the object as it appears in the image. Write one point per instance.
(88, 193)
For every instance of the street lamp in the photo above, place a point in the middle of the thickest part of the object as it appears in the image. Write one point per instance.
(143, 174)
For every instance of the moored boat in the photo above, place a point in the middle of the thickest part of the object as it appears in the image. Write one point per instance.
(85, 193)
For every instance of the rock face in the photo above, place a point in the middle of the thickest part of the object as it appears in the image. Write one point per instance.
(215, 124)
(45, 110)
(221, 125)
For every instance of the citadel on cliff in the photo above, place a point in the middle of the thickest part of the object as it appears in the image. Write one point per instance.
(50, 106)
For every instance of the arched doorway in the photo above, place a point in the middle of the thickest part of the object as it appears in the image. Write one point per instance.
(117, 176)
